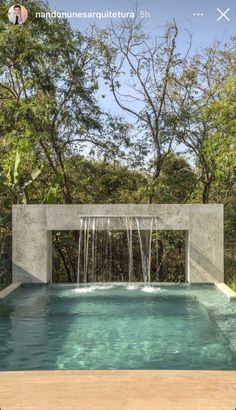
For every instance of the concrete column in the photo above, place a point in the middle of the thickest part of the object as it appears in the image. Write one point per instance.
(31, 258)
(206, 243)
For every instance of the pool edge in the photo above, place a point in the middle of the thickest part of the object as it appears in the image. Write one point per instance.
(226, 290)
(9, 290)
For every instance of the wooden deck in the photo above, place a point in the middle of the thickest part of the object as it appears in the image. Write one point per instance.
(116, 390)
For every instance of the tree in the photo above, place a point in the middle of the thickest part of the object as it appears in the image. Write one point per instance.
(177, 181)
(206, 125)
(15, 183)
(48, 84)
(220, 146)
(140, 75)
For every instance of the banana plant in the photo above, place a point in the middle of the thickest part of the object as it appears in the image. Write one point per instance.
(14, 182)
(51, 197)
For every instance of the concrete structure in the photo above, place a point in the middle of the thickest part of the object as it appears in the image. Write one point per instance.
(33, 226)
(8, 290)
(231, 295)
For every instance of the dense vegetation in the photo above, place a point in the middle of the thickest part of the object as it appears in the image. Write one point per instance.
(171, 141)
(108, 257)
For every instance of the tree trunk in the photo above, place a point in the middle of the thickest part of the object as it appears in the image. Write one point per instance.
(67, 269)
(206, 190)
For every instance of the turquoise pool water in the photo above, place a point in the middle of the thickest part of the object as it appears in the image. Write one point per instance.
(117, 327)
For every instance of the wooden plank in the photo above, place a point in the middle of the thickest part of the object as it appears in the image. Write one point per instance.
(118, 390)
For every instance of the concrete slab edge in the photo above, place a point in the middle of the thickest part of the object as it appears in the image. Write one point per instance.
(8, 290)
(226, 290)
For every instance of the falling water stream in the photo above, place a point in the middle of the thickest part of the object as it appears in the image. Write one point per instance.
(145, 240)
(88, 245)
(129, 230)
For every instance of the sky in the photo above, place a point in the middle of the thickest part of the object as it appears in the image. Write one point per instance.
(208, 26)
(205, 28)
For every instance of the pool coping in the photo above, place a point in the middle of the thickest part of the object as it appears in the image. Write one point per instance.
(8, 290)
(226, 290)
(118, 390)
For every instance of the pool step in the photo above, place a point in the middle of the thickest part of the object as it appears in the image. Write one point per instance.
(8, 290)
(226, 290)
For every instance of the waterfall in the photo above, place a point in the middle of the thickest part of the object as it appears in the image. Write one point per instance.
(83, 245)
(94, 247)
(90, 243)
(145, 240)
(157, 250)
(86, 248)
(129, 231)
(109, 250)
(79, 249)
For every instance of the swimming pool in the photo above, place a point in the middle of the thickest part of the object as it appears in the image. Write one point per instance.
(117, 327)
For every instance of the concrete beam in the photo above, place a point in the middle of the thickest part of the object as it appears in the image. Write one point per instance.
(67, 217)
(33, 226)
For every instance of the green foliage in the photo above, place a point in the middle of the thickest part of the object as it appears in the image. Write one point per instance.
(50, 76)
(167, 259)
(221, 117)
(97, 182)
(52, 194)
(16, 183)
(176, 182)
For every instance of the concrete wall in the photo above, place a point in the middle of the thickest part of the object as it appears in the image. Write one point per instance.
(31, 246)
(33, 224)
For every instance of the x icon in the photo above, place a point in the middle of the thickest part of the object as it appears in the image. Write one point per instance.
(223, 14)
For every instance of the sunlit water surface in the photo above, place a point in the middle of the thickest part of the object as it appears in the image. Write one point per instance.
(117, 327)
